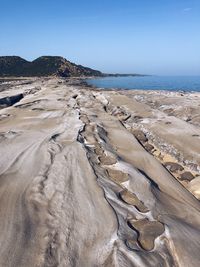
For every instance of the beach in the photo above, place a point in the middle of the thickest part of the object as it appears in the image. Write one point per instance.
(93, 177)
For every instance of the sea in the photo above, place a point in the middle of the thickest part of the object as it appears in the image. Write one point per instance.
(169, 83)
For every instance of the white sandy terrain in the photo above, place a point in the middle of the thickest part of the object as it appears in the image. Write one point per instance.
(80, 187)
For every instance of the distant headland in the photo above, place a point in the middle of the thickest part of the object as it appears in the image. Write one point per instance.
(48, 66)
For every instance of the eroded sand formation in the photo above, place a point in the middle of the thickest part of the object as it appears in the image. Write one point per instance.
(98, 178)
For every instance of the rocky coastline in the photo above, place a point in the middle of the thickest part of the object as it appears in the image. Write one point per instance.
(93, 177)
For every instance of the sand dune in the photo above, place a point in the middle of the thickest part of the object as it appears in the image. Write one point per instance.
(86, 181)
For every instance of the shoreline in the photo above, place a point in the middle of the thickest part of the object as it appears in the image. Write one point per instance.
(83, 81)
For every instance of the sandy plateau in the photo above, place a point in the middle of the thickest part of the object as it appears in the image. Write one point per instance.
(90, 177)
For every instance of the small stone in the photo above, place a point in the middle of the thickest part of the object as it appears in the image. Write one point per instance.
(107, 160)
(118, 176)
(187, 176)
(139, 135)
(148, 232)
(149, 147)
(131, 199)
(173, 166)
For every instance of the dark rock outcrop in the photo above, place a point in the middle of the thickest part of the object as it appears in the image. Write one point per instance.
(43, 66)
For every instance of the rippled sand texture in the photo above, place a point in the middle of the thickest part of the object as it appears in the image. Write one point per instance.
(81, 186)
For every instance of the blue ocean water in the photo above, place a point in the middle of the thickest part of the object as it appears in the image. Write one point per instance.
(170, 83)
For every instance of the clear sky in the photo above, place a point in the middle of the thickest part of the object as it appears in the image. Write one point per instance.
(126, 36)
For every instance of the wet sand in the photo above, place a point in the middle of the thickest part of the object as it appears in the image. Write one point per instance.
(98, 178)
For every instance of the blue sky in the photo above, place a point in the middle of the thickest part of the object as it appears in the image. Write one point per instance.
(126, 36)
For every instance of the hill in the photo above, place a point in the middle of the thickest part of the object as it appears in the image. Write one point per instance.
(43, 66)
